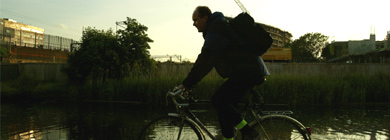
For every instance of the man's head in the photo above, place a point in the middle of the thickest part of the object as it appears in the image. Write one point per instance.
(200, 16)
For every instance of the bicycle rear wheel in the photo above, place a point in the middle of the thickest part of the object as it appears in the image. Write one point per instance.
(277, 127)
(168, 128)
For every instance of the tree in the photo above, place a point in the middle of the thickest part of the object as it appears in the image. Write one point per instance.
(387, 39)
(95, 57)
(135, 44)
(104, 54)
(309, 47)
(186, 61)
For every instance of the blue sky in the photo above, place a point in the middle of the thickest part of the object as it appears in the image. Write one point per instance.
(170, 24)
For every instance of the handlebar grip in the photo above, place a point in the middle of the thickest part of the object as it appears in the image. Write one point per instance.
(175, 94)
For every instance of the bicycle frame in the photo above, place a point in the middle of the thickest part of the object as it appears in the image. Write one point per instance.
(186, 114)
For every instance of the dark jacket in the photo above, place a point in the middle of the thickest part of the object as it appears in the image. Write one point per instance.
(221, 52)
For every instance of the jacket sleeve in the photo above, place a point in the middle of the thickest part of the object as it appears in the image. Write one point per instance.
(203, 65)
(214, 44)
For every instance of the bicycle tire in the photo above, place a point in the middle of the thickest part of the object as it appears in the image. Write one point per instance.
(168, 127)
(281, 127)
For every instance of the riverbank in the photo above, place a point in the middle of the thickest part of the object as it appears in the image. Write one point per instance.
(296, 90)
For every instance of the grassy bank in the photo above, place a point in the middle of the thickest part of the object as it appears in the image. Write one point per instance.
(27, 88)
(335, 89)
(327, 89)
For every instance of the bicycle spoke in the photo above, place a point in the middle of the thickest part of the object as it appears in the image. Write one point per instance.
(279, 127)
(181, 129)
(170, 128)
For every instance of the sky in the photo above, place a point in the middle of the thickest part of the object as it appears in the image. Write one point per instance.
(169, 22)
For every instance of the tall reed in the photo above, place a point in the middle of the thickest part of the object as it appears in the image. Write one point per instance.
(323, 89)
(297, 89)
(326, 89)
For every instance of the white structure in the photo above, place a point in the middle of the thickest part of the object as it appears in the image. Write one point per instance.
(356, 47)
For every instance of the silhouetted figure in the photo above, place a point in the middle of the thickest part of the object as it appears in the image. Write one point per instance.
(243, 70)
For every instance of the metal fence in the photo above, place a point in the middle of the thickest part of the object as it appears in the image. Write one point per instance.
(37, 40)
(57, 43)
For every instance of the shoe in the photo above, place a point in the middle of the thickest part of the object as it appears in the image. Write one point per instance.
(253, 135)
(219, 135)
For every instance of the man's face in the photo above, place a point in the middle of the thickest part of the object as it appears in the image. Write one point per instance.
(199, 23)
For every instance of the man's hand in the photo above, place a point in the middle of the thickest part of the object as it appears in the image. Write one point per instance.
(181, 86)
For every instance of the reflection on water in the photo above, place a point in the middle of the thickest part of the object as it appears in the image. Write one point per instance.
(53, 133)
(124, 121)
(353, 122)
(29, 135)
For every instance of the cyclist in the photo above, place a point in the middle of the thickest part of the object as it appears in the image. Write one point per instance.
(242, 70)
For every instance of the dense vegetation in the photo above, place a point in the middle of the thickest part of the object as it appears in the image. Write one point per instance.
(108, 55)
(335, 89)
(111, 66)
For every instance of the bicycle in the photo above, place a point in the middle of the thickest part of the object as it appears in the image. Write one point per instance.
(184, 125)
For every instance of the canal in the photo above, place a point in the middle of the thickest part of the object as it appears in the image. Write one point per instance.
(67, 120)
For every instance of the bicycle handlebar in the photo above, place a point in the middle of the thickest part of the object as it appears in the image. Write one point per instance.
(178, 93)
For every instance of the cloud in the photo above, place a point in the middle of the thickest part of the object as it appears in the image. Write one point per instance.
(63, 26)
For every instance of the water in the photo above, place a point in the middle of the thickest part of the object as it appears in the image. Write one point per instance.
(63, 121)
(353, 122)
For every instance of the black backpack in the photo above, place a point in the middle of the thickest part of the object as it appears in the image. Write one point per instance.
(250, 36)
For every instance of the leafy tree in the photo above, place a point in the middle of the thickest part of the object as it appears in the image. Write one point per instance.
(309, 47)
(388, 38)
(95, 57)
(104, 54)
(135, 44)
(186, 62)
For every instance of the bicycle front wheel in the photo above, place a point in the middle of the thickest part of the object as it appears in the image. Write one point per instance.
(170, 128)
(280, 127)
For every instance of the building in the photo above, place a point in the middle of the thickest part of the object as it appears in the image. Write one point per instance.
(277, 52)
(29, 44)
(356, 47)
(358, 51)
(280, 37)
(20, 34)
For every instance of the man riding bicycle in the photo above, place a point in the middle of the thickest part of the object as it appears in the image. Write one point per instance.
(242, 70)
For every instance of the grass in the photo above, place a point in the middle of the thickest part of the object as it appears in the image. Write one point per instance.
(302, 90)
(27, 87)
(327, 89)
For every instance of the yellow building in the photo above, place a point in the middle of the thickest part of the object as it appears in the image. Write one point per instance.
(20, 34)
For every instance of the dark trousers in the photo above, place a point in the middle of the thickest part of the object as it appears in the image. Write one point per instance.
(226, 100)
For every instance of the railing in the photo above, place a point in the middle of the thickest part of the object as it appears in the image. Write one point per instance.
(37, 40)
